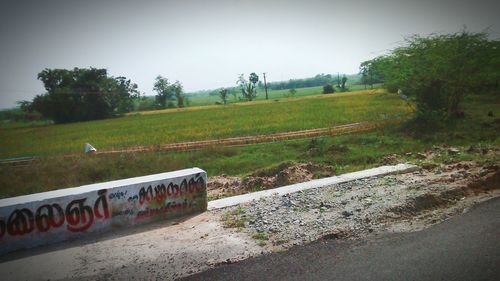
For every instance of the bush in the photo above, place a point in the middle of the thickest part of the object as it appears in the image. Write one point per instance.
(328, 89)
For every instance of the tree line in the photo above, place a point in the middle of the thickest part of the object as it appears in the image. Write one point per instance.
(81, 95)
(317, 80)
(84, 94)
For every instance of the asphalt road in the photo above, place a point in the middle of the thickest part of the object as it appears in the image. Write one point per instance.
(466, 247)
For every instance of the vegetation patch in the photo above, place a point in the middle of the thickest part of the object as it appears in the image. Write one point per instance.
(235, 218)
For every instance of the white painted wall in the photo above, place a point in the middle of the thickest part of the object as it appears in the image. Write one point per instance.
(49, 217)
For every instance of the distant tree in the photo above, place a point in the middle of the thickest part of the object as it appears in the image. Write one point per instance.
(292, 92)
(253, 78)
(179, 94)
(223, 94)
(167, 93)
(328, 89)
(82, 94)
(248, 88)
(25, 106)
(318, 80)
(364, 70)
(234, 93)
(163, 91)
(118, 97)
(342, 86)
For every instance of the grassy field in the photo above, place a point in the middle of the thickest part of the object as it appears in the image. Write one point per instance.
(201, 123)
(345, 153)
(273, 95)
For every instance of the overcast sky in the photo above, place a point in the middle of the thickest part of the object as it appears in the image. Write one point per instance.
(206, 44)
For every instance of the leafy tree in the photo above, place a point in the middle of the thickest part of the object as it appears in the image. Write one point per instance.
(328, 89)
(248, 88)
(179, 94)
(167, 93)
(118, 97)
(253, 78)
(25, 106)
(223, 94)
(342, 86)
(366, 72)
(82, 94)
(234, 93)
(163, 91)
(292, 92)
(438, 71)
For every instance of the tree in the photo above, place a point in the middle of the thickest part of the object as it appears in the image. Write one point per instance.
(344, 80)
(438, 71)
(167, 93)
(292, 92)
(163, 91)
(178, 93)
(364, 71)
(223, 94)
(253, 78)
(82, 94)
(118, 97)
(248, 88)
(328, 89)
(25, 106)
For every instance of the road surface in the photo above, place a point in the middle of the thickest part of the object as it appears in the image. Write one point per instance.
(466, 247)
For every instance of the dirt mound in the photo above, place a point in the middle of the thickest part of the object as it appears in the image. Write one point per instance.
(490, 180)
(283, 174)
(287, 174)
(391, 159)
(429, 201)
(481, 180)
(219, 185)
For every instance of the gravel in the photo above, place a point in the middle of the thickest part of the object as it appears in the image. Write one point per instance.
(355, 208)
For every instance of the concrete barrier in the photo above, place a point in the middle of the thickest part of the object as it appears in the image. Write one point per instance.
(49, 217)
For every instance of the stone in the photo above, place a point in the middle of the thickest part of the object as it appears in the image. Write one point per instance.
(421, 156)
(347, 214)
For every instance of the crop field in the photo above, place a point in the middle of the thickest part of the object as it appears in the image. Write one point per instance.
(203, 123)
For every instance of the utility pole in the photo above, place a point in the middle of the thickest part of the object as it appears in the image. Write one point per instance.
(265, 84)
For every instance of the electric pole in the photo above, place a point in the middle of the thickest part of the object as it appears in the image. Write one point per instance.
(265, 84)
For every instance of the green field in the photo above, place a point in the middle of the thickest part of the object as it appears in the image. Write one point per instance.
(345, 153)
(201, 123)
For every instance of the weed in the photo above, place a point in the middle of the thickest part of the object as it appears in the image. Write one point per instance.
(260, 236)
(235, 218)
